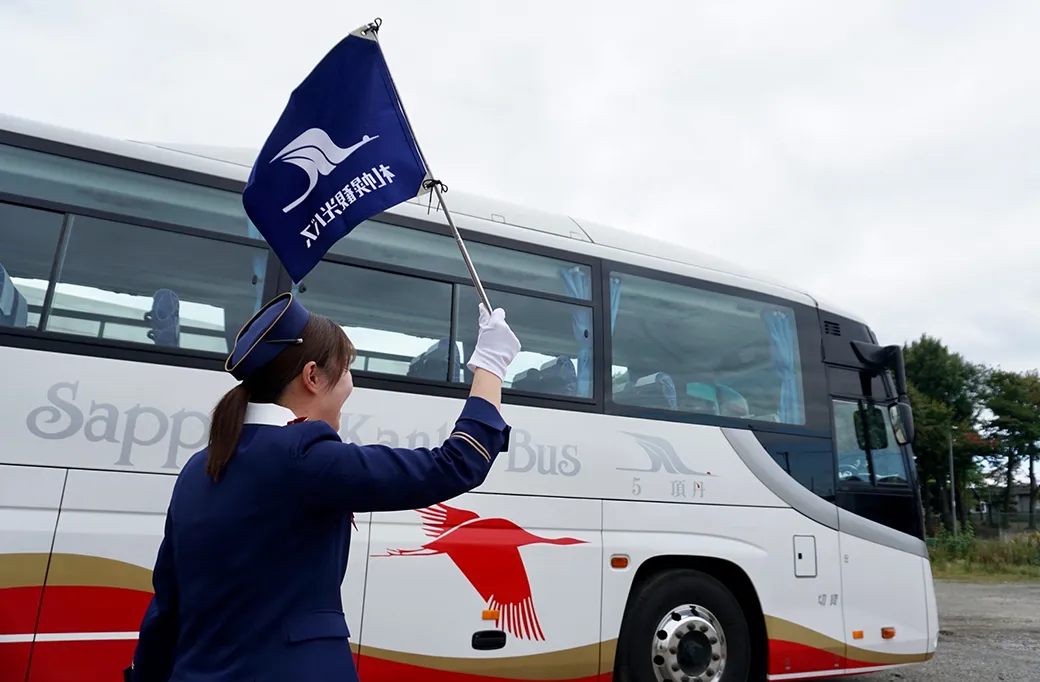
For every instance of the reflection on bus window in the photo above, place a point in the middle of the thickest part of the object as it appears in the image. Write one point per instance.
(29, 239)
(37, 175)
(435, 253)
(130, 283)
(556, 358)
(400, 325)
(680, 348)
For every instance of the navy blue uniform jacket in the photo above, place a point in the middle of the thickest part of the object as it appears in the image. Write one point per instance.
(247, 578)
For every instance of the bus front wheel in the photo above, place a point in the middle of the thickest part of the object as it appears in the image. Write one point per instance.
(683, 626)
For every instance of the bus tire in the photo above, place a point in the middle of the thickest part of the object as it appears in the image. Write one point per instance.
(683, 626)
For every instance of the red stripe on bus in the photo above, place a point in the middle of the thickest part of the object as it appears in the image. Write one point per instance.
(14, 659)
(372, 669)
(103, 661)
(85, 661)
(786, 658)
(18, 609)
(92, 609)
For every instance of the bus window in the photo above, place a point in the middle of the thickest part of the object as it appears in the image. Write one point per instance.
(52, 178)
(701, 352)
(30, 239)
(439, 254)
(556, 358)
(130, 283)
(808, 460)
(400, 325)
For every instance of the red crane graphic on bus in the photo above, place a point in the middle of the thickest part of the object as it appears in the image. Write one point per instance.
(487, 551)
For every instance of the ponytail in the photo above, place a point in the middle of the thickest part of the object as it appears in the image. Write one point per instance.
(225, 429)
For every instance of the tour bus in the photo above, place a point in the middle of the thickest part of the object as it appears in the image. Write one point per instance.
(710, 476)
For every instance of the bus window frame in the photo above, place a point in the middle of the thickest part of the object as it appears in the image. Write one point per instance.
(882, 402)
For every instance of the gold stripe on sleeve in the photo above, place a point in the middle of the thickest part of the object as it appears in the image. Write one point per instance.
(472, 441)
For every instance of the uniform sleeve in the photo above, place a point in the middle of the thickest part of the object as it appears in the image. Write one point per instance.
(157, 641)
(363, 478)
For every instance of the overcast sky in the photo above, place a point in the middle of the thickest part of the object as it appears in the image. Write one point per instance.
(883, 154)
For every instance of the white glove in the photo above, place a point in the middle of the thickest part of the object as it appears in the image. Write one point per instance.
(496, 344)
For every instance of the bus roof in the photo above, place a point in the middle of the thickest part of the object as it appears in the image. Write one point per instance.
(476, 213)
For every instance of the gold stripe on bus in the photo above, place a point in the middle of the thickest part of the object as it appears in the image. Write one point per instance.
(780, 629)
(72, 570)
(22, 570)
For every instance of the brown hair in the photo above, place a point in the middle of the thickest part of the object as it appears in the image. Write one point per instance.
(324, 343)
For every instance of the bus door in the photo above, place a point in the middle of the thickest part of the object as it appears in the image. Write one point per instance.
(99, 581)
(29, 501)
(883, 555)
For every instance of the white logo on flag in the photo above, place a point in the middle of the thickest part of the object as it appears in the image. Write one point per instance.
(315, 152)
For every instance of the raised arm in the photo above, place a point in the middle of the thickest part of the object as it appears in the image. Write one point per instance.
(362, 478)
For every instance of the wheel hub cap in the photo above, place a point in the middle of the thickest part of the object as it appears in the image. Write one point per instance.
(689, 646)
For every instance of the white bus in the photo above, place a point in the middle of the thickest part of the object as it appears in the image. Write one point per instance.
(709, 477)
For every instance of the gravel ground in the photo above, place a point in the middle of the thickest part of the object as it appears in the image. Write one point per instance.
(986, 632)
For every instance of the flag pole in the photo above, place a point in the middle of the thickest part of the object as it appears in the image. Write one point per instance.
(436, 185)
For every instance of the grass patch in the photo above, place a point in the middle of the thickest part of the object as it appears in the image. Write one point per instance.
(966, 557)
(964, 572)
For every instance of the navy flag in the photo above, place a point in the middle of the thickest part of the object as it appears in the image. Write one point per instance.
(341, 152)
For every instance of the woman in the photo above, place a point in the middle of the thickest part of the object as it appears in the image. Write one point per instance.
(247, 578)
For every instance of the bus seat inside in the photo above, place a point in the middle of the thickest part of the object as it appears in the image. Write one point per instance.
(433, 363)
(555, 377)
(165, 319)
(653, 390)
(527, 380)
(700, 398)
(14, 309)
(559, 377)
(732, 403)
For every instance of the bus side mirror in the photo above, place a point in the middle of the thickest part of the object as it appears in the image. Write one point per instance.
(902, 417)
(870, 429)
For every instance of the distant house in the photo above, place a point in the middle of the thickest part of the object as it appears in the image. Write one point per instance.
(994, 495)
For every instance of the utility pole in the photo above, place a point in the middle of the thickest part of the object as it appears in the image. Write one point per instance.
(953, 487)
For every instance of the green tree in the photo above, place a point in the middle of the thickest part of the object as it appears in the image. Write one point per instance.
(946, 393)
(931, 420)
(946, 377)
(1014, 400)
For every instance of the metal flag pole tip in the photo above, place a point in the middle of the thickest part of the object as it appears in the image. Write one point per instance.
(372, 27)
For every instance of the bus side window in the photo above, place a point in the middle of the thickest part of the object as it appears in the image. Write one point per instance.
(704, 352)
(30, 240)
(125, 282)
(884, 462)
(399, 324)
(556, 358)
(806, 459)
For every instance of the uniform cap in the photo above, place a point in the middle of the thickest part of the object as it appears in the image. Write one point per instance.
(275, 326)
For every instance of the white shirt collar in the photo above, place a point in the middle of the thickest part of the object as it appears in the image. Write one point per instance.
(269, 414)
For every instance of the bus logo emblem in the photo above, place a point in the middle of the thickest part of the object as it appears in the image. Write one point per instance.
(487, 551)
(662, 456)
(315, 152)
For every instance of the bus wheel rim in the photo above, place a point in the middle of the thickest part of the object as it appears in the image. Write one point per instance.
(689, 646)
